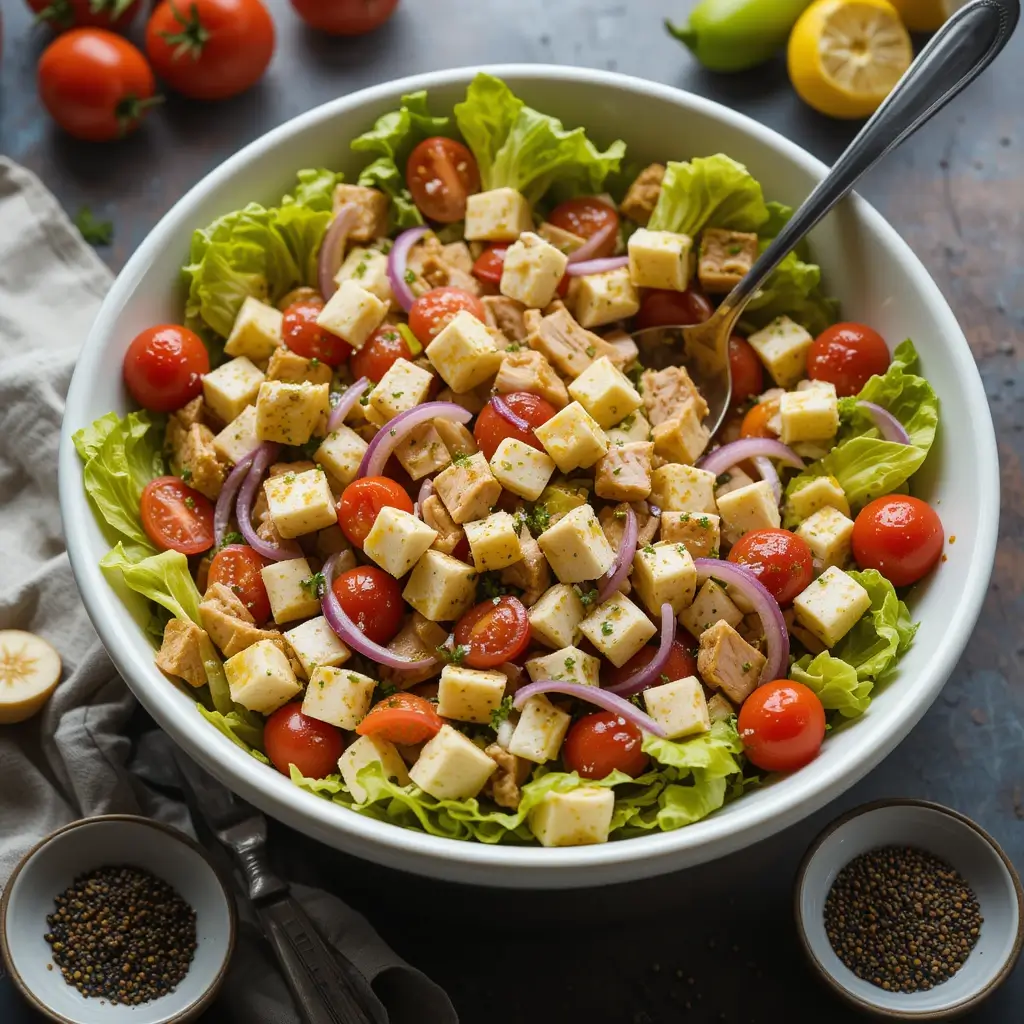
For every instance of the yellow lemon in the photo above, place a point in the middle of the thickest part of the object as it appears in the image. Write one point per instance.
(926, 15)
(845, 56)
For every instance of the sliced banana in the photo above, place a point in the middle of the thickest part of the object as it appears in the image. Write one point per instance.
(29, 673)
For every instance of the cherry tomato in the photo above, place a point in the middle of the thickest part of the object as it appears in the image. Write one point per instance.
(292, 738)
(491, 262)
(755, 423)
(681, 662)
(585, 216)
(599, 744)
(441, 173)
(380, 352)
(164, 367)
(782, 725)
(673, 309)
(899, 536)
(402, 718)
(491, 428)
(95, 84)
(847, 355)
(363, 499)
(345, 17)
(210, 49)
(494, 632)
(64, 14)
(301, 333)
(747, 372)
(781, 560)
(372, 600)
(237, 566)
(175, 517)
(433, 310)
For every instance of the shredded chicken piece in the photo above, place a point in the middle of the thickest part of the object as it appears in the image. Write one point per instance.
(506, 315)
(503, 787)
(229, 622)
(437, 266)
(643, 194)
(436, 516)
(371, 211)
(667, 393)
(180, 653)
(531, 574)
(192, 454)
(569, 347)
(418, 639)
(526, 370)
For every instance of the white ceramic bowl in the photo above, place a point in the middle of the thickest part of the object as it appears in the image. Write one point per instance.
(866, 264)
(114, 839)
(961, 844)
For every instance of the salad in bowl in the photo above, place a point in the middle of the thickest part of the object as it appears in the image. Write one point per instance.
(424, 527)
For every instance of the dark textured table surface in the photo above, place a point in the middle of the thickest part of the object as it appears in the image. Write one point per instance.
(716, 943)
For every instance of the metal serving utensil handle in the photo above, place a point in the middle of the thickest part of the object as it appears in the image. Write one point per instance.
(968, 42)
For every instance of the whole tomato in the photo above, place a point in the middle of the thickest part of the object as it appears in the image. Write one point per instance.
(64, 14)
(345, 17)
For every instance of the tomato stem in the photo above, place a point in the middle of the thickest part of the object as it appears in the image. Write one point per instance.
(130, 110)
(192, 37)
(116, 8)
(59, 14)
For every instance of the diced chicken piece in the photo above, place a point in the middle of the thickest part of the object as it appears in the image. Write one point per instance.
(418, 639)
(228, 621)
(506, 315)
(472, 401)
(624, 473)
(568, 347)
(503, 786)
(725, 259)
(643, 194)
(193, 455)
(372, 211)
(180, 654)
(667, 394)
(805, 636)
(437, 266)
(727, 662)
(468, 488)
(561, 239)
(527, 370)
(436, 516)
(194, 412)
(719, 709)
(295, 369)
(456, 437)
(623, 343)
(531, 574)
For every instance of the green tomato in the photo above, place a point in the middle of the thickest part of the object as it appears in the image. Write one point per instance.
(734, 35)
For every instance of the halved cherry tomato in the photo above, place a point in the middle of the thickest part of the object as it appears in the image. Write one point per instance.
(64, 14)
(164, 367)
(847, 355)
(301, 333)
(175, 517)
(747, 371)
(363, 499)
(599, 744)
(491, 428)
(238, 567)
(585, 216)
(494, 632)
(432, 311)
(402, 718)
(900, 536)
(491, 262)
(682, 662)
(782, 725)
(780, 560)
(345, 17)
(755, 423)
(372, 600)
(380, 352)
(673, 309)
(441, 174)
(292, 738)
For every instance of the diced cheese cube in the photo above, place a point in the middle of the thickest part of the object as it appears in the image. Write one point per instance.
(397, 540)
(500, 215)
(532, 271)
(238, 438)
(555, 619)
(368, 268)
(831, 606)
(494, 541)
(581, 817)
(423, 452)
(464, 353)
(468, 488)
(605, 392)
(290, 413)
(782, 346)
(364, 751)
(292, 596)
(576, 547)
(679, 707)
(300, 503)
(404, 386)
(679, 488)
(818, 492)
(521, 469)
(256, 331)
(570, 665)
(451, 767)
(809, 415)
(315, 644)
(605, 298)
(338, 696)
(682, 438)
(441, 588)
(749, 508)
(468, 695)
(353, 314)
(341, 453)
(231, 387)
(618, 629)
(698, 532)
(260, 678)
(829, 535)
(540, 730)
(664, 574)
(573, 438)
(634, 427)
(660, 259)
(712, 604)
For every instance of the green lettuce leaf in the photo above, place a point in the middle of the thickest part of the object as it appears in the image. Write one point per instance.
(245, 731)
(517, 147)
(383, 174)
(314, 189)
(794, 290)
(835, 682)
(714, 752)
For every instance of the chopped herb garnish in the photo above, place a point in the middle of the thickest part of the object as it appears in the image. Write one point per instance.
(315, 585)
(234, 537)
(620, 513)
(587, 597)
(648, 549)
(501, 712)
(606, 629)
(570, 664)
(186, 474)
(454, 655)
(190, 503)
(95, 232)
(410, 277)
(460, 459)
(384, 690)
(591, 351)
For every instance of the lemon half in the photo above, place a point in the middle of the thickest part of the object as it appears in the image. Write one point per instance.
(845, 56)
(926, 15)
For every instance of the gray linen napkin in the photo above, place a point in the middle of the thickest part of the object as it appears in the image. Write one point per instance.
(71, 761)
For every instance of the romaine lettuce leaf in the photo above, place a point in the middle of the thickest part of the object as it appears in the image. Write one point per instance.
(245, 731)
(384, 174)
(794, 290)
(835, 682)
(714, 752)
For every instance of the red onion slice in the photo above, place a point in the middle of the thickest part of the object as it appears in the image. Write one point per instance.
(593, 695)
(426, 490)
(612, 579)
(352, 635)
(768, 472)
(596, 266)
(332, 248)
(767, 608)
(387, 439)
(889, 427)
(346, 404)
(642, 678)
(398, 260)
(504, 410)
(595, 243)
(724, 458)
(262, 457)
(226, 498)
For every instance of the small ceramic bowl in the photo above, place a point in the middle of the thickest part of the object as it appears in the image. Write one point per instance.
(956, 840)
(52, 865)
